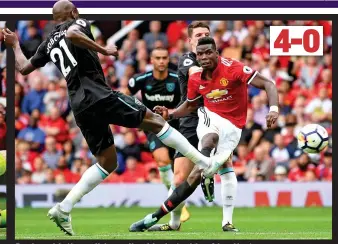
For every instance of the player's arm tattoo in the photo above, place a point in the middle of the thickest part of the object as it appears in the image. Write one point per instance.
(22, 65)
(269, 86)
(80, 39)
(185, 109)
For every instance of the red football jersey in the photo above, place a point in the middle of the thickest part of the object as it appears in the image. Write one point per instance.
(296, 174)
(226, 94)
(324, 173)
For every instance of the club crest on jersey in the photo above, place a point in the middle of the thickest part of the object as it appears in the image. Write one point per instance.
(149, 87)
(224, 82)
(216, 94)
(170, 87)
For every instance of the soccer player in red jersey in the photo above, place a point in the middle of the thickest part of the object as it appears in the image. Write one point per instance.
(223, 85)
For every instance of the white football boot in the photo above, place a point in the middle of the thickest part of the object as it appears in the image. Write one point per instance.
(62, 219)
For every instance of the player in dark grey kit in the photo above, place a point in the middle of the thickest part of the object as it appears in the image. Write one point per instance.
(71, 47)
(159, 87)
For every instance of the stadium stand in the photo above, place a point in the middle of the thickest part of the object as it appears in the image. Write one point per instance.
(51, 150)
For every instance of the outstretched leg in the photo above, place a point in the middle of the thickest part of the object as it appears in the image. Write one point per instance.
(92, 177)
(180, 194)
(100, 140)
(182, 168)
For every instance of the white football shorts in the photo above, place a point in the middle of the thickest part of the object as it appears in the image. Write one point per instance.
(210, 122)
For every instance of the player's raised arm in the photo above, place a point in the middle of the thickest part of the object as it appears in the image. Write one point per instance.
(80, 39)
(22, 64)
(269, 86)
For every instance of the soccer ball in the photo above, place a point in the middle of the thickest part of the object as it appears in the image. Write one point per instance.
(313, 138)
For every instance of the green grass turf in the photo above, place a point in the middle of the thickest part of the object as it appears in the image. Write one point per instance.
(2, 233)
(205, 223)
(2, 230)
(2, 203)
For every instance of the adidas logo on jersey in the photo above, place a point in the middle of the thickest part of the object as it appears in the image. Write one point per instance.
(201, 87)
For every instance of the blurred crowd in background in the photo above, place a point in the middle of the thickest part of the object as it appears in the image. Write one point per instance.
(3, 79)
(50, 148)
(3, 75)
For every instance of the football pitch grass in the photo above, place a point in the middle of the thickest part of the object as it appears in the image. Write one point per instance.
(205, 223)
(2, 206)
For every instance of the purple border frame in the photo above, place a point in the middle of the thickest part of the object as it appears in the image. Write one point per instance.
(177, 4)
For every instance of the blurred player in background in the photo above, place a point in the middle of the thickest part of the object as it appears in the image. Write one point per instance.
(223, 85)
(159, 87)
(71, 47)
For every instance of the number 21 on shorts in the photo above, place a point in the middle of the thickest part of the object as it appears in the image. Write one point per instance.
(296, 40)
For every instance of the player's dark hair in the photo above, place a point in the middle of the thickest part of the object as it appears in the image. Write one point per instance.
(197, 24)
(207, 40)
(159, 49)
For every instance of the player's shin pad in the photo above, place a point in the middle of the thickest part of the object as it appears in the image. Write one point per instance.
(207, 185)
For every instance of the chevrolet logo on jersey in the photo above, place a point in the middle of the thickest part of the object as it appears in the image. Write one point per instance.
(224, 82)
(216, 94)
